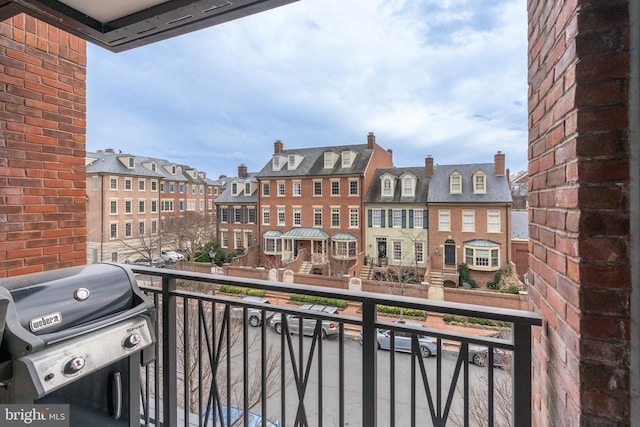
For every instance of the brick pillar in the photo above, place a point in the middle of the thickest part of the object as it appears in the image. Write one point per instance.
(579, 210)
(42, 147)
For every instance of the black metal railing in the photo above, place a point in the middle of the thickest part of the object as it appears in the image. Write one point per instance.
(213, 366)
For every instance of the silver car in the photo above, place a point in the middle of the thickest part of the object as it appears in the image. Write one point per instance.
(328, 327)
(479, 354)
(402, 341)
(255, 316)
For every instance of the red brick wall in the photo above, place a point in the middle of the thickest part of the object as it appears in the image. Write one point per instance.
(42, 147)
(579, 213)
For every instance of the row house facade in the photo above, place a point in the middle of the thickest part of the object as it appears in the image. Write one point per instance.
(469, 214)
(312, 199)
(129, 199)
(237, 212)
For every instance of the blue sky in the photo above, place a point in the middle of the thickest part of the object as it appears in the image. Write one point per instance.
(446, 78)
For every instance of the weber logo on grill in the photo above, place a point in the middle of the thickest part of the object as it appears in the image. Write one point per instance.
(45, 321)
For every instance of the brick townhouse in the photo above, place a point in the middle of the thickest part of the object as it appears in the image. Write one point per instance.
(469, 220)
(312, 199)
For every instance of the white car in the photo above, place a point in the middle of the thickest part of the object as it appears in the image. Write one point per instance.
(172, 256)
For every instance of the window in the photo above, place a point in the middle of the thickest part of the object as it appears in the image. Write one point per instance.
(468, 220)
(344, 249)
(127, 184)
(141, 228)
(128, 206)
(201, 189)
(407, 186)
(224, 237)
(297, 188)
(194, 189)
(154, 185)
(266, 216)
(481, 256)
(418, 218)
(418, 251)
(132, 163)
(493, 221)
(128, 229)
(154, 227)
(317, 217)
(234, 188)
(95, 182)
(113, 231)
(191, 205)
(247, 188)
(353, 188)
(237, 240)
(297, 217)
(272, 245)
(397, 218)
(317, 188)
(266, 189)
(224, 214)
(281, 189)
(172, 187)
(386, 187)
(251, 216)
(291, 161)
(346, 159)
(396, 253)
(376, 217)
(479, 183)
(328, 160)
(141, 206)
(335, 188)
(444, 222)
(113, 183)
(237, 215)
(353, 218)
(113, 207)
(166, 205)
(141, 184)
(153, 167)
(281, 216)
(114, 256)
(455, 183)
(335, 217)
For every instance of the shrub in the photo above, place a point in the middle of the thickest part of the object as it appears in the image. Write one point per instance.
(411, 312)
(238, 290)
(465, 276)
(310, 299)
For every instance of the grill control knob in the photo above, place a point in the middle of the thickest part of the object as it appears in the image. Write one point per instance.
(131, 341)
(74, 366)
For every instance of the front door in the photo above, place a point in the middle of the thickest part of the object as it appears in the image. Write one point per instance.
(449, 253)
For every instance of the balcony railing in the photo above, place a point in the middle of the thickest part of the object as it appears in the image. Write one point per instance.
(209, 358)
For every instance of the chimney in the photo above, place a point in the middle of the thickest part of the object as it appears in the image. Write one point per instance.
(428, 166)
(242, 171)
(222, 176)
(110, 150)
(371, 140)
(499, 163)
(277, 147)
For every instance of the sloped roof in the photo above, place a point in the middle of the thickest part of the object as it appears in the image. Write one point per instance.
(306, 233)
(313, 162)
(109, 163)
(498, 190)
(374, 193)
(227, 198)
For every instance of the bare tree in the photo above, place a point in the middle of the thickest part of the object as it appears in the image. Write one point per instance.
(188, 232)
(146, 246)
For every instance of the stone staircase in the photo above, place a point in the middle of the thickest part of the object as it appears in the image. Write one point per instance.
(436, 278)
(305, 268)
(365, 272)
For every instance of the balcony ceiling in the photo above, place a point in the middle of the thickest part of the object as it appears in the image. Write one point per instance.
(119, 25)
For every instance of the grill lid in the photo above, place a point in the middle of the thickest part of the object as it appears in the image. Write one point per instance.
(55, 305)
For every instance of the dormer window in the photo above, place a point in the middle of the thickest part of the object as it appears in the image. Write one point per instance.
(347, 158)
(408, 186)
(247, 188)
(279, 162)
(234, 188)
(455, 183)
(173, 170)
(292, 161)
(329, 159)
(386, 187)
(132, 163)
(153, 167)
(479, 182)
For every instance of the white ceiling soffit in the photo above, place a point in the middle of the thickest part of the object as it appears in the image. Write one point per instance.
(119, 25)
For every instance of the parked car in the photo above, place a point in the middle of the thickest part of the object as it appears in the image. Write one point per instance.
(479, 354)
(155, 262)
(402, 341)
(329, 327)
(255, 316)
(237, 418)
(172, 256)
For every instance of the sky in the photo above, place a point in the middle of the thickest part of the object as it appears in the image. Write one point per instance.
(441, 78)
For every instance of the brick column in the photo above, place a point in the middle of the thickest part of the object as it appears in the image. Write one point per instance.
(42, 147)
(579, 210)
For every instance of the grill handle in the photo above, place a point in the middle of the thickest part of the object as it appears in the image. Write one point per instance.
(116, 396)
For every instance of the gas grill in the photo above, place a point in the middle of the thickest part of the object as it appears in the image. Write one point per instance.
(76, 336)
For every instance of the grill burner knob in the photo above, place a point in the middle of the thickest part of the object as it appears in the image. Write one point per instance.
(74, 366)
(131, 341)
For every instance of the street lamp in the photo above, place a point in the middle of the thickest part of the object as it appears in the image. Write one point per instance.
(119, 25)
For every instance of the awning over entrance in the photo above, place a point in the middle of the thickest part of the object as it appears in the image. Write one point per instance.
(306, 234)
(122, 25)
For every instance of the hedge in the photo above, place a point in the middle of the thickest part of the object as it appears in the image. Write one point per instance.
(310, 299)
(238, 290)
